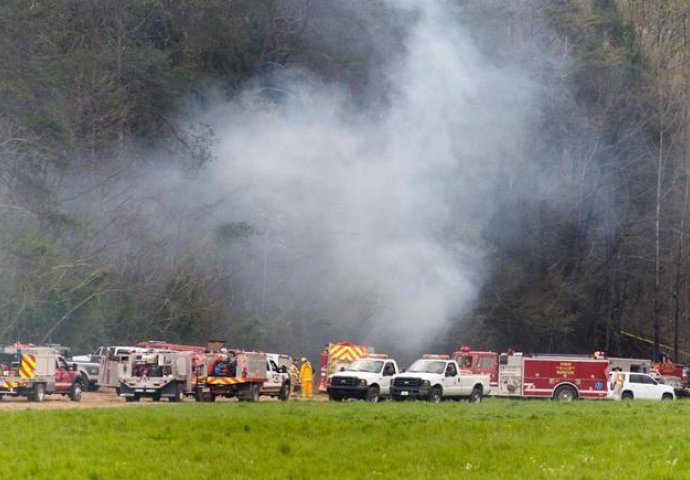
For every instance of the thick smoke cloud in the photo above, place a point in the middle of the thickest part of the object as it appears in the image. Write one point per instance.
(370, 219)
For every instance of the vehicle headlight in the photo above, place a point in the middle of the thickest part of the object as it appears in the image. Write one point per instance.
(362, 382)
(426, 383)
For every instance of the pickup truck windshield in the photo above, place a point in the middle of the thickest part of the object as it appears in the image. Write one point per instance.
(428, 366)
(371, 366)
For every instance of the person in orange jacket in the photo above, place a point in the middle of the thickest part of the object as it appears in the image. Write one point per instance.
(306, 376)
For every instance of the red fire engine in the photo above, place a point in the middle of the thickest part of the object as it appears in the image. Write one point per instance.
(561, 377)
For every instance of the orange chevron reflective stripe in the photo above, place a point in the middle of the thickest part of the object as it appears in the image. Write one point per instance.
(345, 352)
(224, 380)
(27, 367)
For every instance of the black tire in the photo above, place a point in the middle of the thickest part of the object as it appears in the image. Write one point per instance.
(334, 397)
(627, 396)
(254, 392)
(117, 391)
(565, 393)
(75, 393)
(667, 396)
(156, 396)
(435, 395)
(135, 398)
(39, 393)
(373, 394)
(92, 387)
(284, 392)
(178, 394)
(476, 395)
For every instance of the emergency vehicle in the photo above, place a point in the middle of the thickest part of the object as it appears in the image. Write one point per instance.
(33, 372)
(434, 377)
(336, 356)
(561, 377)
(277, 382)
(367, 378)
(669, 369)
(229, 373)
(176, 347)
(157, 374)
(114, 360)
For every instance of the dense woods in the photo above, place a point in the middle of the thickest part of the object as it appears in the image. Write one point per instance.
(585, 249)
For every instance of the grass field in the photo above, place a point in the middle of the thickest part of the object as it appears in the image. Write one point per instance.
(301, 440)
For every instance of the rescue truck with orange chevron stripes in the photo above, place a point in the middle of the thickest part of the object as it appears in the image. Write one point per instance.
(32, 372)
(224, 372)
(338, 355)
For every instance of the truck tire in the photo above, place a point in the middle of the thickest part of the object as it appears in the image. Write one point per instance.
(39, 393)
(334, 397)
(565, 393)
(156, 397)
(373, 394)
(475, 396)
(134, 398)
(627, 396)
(435, 395)
(284, 392)
(667, 396)
(178, 394)
(75, 393)
(254, 392)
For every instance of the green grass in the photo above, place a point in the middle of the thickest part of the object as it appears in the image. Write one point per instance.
(496, 439)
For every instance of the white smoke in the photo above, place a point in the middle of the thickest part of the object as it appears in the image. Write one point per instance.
(373, 219)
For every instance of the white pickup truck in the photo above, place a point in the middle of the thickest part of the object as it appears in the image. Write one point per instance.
(434, 377)
(368, 378)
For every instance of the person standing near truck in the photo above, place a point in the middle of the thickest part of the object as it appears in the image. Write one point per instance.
(294, 377)
(306, 376)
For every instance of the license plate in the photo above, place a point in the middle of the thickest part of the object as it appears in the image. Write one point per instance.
(404, 393)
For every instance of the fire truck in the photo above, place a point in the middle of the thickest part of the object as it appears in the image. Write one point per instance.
(176, 347)
(336, 356)
(33, 372)
(561, 377)
(229, 373)
(157, 374)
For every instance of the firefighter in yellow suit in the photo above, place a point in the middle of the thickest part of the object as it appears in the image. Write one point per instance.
(306, 376)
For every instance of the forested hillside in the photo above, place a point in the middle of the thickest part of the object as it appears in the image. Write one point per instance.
(281, 174)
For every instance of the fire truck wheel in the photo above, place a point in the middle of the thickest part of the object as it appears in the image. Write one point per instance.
(435, 395)
(565, 393)
(373, 394)
(475, 396)
(254, 392)
(39, 393)
(75, 393)
(178, 394)
(284, 392)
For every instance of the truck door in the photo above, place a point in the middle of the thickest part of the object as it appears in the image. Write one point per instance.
(63, 375)
(451, 380)
(386, 375)
(274, 380)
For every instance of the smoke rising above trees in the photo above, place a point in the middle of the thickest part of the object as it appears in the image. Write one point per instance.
(409, 174)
